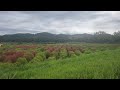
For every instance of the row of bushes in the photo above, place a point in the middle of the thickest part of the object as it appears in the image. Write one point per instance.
(12, 56)
(37, 54)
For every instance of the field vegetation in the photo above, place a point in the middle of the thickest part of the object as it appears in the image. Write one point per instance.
(60, 61)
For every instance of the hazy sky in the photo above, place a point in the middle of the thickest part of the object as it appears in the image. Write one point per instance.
(70, 22)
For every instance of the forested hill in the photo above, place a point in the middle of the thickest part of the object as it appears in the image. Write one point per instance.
(98, 37)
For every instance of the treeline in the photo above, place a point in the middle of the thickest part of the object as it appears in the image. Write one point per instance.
(97, 37)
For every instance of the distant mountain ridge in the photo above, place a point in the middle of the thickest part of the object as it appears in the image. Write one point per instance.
(45, 37)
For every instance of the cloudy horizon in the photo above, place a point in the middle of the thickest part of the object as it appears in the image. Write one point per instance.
(59, 22)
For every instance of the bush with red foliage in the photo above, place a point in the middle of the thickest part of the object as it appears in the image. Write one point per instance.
(26, 46)
(9, 52)
(12, 56)
(50, 49)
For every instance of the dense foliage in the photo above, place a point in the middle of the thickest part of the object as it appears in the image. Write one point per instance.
(44, 52)
(73, 61)
(38, 52)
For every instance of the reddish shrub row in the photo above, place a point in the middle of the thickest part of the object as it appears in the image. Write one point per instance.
(12, 56)
(51, 50)
(68, 48)
(26, 46)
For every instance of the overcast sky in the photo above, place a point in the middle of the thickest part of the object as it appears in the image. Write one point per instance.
(59, 22)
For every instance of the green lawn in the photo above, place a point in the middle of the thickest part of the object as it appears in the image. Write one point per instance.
(98, 65)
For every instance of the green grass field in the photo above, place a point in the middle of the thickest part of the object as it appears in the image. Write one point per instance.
(96, 65)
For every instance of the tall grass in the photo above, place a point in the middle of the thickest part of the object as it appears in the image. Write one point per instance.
(98, 65)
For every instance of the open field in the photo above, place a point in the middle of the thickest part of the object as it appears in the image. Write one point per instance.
(60, 61)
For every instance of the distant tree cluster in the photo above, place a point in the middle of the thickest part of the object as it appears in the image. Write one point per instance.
(97, 37)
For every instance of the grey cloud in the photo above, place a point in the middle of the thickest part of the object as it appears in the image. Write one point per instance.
(70, 22)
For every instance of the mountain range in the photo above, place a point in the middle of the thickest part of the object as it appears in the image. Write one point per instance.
(46, 37)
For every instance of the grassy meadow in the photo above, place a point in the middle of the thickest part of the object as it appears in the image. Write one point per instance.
(60, 61)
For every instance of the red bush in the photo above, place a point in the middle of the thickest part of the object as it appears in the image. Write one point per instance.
(26, 46)
(12, 56)
(9, 53)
